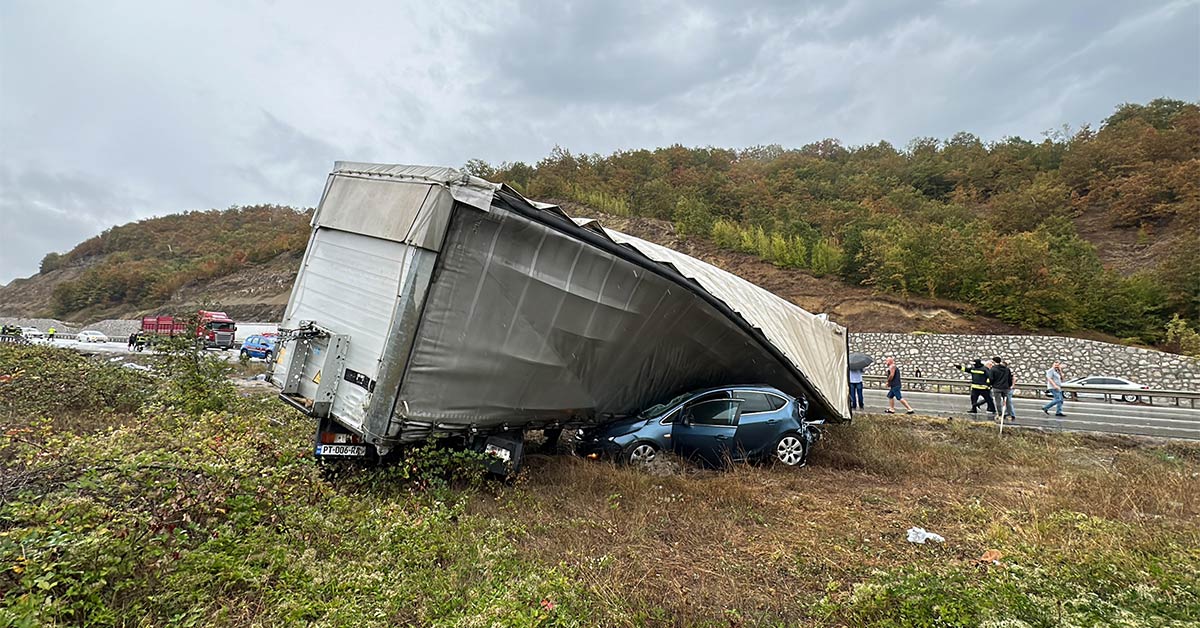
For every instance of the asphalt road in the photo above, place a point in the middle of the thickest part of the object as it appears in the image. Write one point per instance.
(1084, 415)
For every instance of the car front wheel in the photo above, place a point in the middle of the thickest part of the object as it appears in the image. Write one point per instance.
(791, 449)
(640, 454)
(1131, 398)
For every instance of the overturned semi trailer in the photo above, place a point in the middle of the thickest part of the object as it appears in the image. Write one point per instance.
(435, 304)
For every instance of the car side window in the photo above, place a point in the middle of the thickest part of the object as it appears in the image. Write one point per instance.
(754, 402)
(720, 394)
(714, 412)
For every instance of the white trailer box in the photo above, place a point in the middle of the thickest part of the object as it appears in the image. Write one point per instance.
(433, 303)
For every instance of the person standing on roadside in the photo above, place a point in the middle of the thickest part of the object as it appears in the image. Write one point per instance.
(1054, 382)
(894, 384)
(50, 333)
(856, 389)
(980, 386)
(1002, 394)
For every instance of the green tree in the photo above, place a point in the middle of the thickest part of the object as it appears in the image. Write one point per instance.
(693, 217)
(52, 261)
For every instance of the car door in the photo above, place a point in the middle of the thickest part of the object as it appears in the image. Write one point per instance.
(763, 418)
(705, 430)
(253, 347)
(1089, 382)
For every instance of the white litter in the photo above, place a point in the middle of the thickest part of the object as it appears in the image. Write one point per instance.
(920, 535)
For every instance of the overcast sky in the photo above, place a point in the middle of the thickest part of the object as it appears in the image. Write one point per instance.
(114, 111)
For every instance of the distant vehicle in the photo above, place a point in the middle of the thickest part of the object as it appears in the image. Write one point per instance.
(1103, 381)
(259, 346)
(215, 328)
(32, 332)
(89, 335)
(711, 426)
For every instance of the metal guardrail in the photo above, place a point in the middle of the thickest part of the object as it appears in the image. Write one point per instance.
(959, 386)
(10, 339)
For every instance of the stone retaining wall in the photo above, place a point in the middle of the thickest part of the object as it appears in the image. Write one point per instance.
(1029, 357)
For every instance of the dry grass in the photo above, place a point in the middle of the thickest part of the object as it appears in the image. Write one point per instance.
(747, 544)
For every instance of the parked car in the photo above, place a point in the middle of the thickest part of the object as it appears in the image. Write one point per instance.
(259, 346)
(32, 332)
(1103, 381)
(711, 426)
(89, 335)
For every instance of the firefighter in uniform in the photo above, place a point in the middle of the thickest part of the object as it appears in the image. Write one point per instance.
(981, 384)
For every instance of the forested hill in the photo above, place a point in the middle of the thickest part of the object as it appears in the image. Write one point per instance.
(1096, 230)
(1091, 230)
(150, 263)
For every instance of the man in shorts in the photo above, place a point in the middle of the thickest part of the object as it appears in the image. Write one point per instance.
(893, 383)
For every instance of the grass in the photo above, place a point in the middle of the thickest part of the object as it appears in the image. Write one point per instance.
(139, 513)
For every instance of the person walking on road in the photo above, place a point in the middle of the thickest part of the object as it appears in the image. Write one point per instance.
(50, 333)
(894, 384)
(856, 389)
(980, 386)
(1002, 394)
(1054, 387)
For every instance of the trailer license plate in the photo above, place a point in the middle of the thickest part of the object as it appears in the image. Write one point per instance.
(341, 450)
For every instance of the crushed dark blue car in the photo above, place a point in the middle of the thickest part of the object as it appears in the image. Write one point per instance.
(712, 427)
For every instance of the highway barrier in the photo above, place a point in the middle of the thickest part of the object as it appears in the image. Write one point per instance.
(1145, 396)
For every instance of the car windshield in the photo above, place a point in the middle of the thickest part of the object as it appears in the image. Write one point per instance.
(659, 408)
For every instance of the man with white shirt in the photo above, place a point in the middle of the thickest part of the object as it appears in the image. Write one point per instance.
(1054, 387)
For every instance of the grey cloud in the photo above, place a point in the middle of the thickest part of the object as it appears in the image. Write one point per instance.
(111, 112)
(43, 212)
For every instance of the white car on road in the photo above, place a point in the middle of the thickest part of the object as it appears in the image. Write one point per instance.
(89, 335)
(1074, 389)
(32, 332)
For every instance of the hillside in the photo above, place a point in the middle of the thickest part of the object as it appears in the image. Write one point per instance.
(1095, 232)
(259, 290)
(244, 258)
(1092, 230)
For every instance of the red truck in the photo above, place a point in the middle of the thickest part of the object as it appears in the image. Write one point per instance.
(215, 328)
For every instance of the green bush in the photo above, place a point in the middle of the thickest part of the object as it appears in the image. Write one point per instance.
(42, 381)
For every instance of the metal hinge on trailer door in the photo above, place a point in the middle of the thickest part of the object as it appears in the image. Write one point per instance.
(333, 361)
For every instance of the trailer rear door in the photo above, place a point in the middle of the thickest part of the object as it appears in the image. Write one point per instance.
(347, 285)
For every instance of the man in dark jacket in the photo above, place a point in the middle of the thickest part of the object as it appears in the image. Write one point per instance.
(980, 386)
(1002, 394)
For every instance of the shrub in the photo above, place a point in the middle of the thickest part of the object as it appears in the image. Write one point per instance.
(47, 381)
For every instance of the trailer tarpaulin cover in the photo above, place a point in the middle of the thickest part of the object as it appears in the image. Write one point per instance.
(534, 317)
